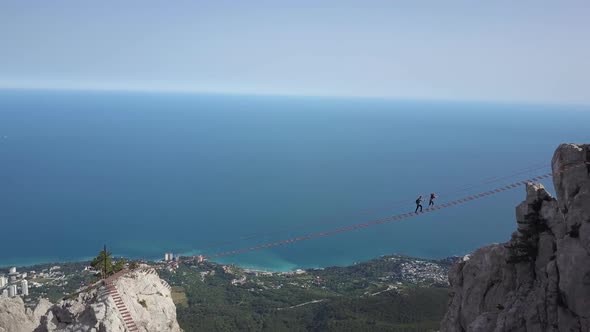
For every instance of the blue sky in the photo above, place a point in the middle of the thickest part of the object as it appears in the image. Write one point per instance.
(531, 51)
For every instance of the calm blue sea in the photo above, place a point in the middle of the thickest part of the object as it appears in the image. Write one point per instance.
(154, 173)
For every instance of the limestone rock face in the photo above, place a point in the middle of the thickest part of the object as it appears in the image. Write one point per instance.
(540, 279)
(149, 302)
(14, 317)
(145, 298)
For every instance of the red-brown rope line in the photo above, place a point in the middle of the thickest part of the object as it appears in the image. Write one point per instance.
(359, 226)
(390, 205)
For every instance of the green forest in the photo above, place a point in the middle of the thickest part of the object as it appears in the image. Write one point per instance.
(370, 297)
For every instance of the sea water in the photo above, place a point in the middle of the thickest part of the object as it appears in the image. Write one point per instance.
(148, 173)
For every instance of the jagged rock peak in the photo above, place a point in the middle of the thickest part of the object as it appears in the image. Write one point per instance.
(540, 279)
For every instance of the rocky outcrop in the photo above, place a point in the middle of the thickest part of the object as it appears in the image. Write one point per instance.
(540, 279)
(147, 302)
(14, 317)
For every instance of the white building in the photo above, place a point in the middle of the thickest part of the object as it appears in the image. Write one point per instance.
(168, 256)
(12, 274)
(24, 287)
(3, 281)
(12, 291)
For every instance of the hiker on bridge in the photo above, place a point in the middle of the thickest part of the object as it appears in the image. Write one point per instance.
(432, 197)
(418, 204)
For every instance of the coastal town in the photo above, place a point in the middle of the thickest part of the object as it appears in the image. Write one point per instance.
(29, 283)
(390, 273)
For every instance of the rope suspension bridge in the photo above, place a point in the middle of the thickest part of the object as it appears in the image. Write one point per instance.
(381, 221)
(381, 206)
(399, 217)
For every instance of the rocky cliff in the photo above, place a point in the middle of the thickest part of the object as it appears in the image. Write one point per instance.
(540, 279)
(15, 317)
(132, 301)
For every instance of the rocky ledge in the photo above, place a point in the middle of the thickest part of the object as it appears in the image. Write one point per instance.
(133, 301)
(540, 279)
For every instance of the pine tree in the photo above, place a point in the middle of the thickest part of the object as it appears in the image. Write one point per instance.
(99, 263)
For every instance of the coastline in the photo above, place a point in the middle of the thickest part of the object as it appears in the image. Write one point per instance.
(248, 268)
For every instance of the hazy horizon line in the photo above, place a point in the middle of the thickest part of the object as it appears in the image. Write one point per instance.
(292, 95)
